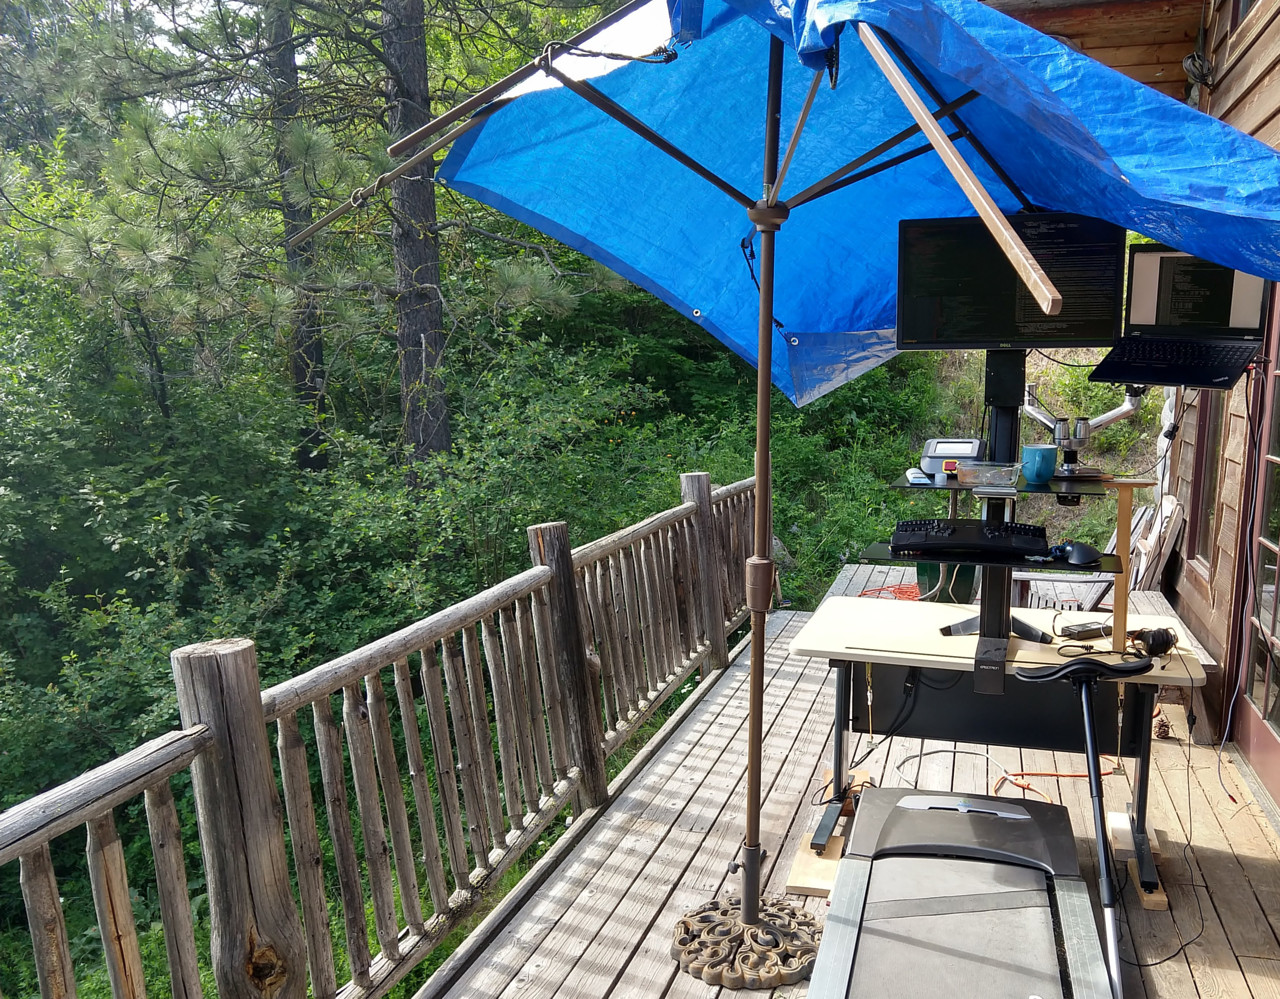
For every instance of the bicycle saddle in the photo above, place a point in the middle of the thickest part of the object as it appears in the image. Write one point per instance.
(1085, 668)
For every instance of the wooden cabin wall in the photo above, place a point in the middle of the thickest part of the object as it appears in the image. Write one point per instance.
(1145, 41)
(1246, 68)
(1245, 57)
(1204, 591)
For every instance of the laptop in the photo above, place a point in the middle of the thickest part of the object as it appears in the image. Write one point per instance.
(1187, 322)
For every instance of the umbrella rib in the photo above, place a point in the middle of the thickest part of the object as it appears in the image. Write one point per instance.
(964, 128)
(362, 195)
(506, 83)
(888, 164)
(625, 118)
(839, 178)
(1024, 263)
(795, 137)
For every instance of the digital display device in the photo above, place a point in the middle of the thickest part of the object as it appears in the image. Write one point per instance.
(958, 291)
(1173, 294)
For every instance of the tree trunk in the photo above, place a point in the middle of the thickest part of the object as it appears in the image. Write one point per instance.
(306, 343)
(419, 311)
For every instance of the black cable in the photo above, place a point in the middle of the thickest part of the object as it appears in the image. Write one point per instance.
(1065, 364)
(1186, 859)
(905, 710)
(1171, 434)
(1255, 438)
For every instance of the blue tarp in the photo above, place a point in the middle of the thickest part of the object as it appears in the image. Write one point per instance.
(1073, 135)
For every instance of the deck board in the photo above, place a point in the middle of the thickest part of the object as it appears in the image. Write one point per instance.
(601, 924)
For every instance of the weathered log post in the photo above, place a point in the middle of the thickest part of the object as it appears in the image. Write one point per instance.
(695, 487)
(257, 944)
(579, 687)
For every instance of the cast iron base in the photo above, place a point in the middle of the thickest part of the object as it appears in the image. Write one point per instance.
(711, 943)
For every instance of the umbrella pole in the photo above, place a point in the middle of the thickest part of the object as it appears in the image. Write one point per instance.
(746, 942)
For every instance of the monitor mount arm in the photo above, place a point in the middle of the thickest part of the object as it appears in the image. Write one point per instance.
(1073, 435)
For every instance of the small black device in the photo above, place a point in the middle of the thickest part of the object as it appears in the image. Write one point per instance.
(1187, 322)
(968, 536)
(958, 291)
(1086, 631)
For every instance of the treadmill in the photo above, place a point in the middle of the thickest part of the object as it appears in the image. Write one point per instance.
(950, 896)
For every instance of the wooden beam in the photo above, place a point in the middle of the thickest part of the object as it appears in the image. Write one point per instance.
(1117, 24)
(1026, 266)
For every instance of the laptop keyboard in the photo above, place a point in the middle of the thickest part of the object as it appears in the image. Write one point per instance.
(1191, 352)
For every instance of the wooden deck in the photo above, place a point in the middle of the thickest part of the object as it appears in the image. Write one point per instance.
(601, 923)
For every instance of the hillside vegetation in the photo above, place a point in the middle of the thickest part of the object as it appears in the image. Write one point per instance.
(203, 434)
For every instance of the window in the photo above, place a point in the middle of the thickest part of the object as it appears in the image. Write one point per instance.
(1242, 8)
(1204, 496)
(1262, 682)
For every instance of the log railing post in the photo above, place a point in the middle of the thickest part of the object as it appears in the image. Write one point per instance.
(579, 688)
(695, 487)
(257, 944)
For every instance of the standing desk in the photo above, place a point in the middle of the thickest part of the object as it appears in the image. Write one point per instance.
(907, 633)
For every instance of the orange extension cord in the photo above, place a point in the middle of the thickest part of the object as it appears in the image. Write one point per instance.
(1012, 778)
(899, 591)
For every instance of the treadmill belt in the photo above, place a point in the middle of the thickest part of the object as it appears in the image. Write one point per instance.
(937, 927)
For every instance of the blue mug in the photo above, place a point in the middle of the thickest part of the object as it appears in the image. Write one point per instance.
(1039, 462)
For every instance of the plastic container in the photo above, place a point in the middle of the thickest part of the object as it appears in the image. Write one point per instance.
(987, 473)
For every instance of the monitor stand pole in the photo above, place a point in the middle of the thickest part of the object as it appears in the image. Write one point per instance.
(1004, 384)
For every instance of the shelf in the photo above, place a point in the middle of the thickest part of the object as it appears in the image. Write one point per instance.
(1056, 487)
(879, 552)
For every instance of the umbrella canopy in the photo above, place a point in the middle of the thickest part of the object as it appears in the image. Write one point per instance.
(1061, 132)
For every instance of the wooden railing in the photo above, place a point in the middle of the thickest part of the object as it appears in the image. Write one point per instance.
(462, 738)
(27, 829)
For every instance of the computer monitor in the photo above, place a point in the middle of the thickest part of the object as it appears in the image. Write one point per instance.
(1173, 294)
(958, 291)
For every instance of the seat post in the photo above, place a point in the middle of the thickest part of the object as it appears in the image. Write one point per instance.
(1106, 875)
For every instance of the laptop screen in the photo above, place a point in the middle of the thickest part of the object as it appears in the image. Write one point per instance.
(1173, 294)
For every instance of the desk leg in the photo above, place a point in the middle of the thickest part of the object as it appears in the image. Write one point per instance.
(840, 756)
(1148, 879)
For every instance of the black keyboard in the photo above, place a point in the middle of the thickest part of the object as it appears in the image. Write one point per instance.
(1193, 352)
(967, 537)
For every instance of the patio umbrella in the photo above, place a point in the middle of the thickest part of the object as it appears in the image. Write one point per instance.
(653, 142)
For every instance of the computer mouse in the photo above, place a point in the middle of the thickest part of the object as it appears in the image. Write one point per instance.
(1078, 553)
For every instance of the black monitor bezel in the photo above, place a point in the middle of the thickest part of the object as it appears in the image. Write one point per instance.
(1027, 341)
(1187, 332)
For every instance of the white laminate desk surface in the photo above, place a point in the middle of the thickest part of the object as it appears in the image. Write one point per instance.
(908, 633)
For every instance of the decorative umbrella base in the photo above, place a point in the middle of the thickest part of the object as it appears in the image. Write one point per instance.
(713, 944)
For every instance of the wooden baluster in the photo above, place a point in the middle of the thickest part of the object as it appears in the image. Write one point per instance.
(446, 774)
(483, 735)
(308, 860)
(533, 686)
(175, 902)
(421, 789)
(520, 706)
(384, 755)
(587, 583)
(47, 924)
(632, 659)
(329, 752)
(666, 580)
(377, 855)
(690, 628)
(111, 901)
(655, 665)
(695, 487)
(544, 636)
(465, 737)
(504, 711)
(611, 647)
